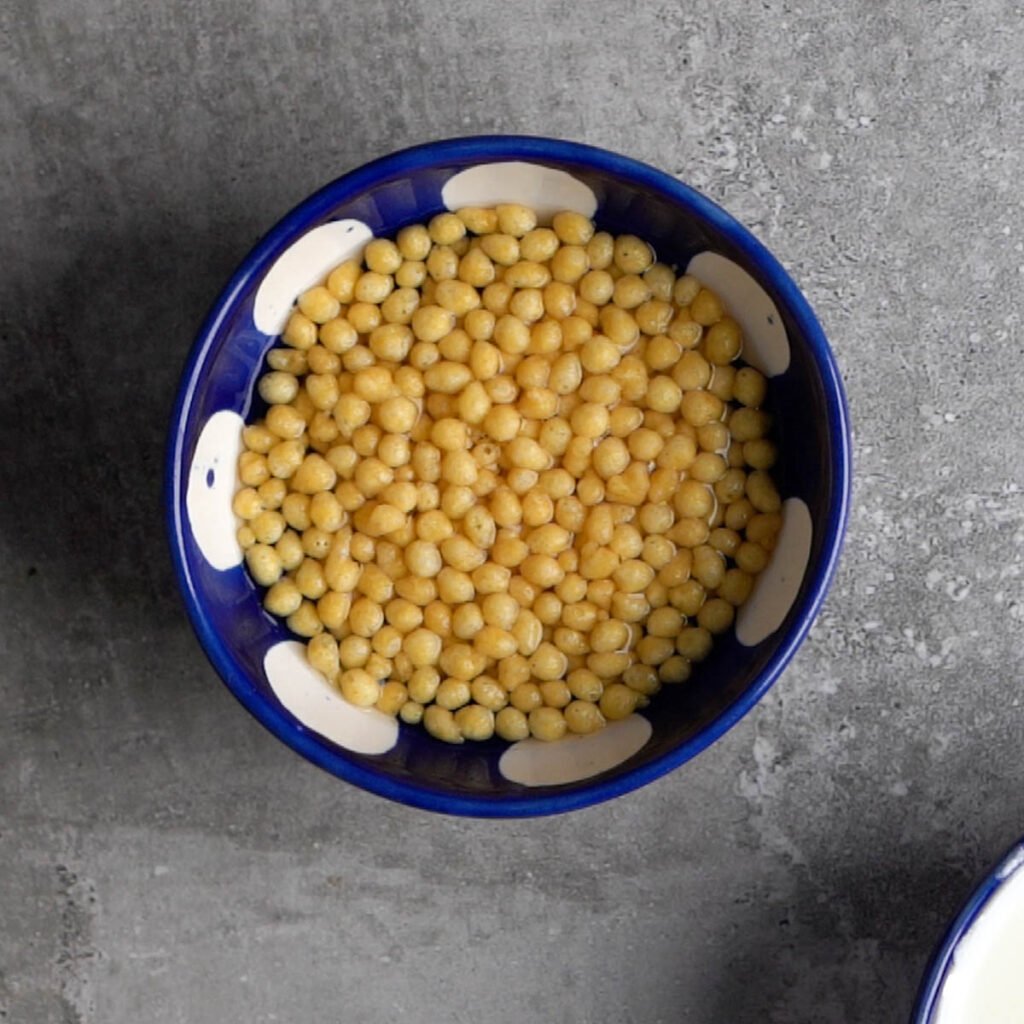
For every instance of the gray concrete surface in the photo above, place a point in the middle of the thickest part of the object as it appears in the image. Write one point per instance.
(165, 860)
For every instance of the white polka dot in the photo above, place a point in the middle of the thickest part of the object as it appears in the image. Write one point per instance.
(765, 343)
(1014, 862)
(546, 190)
(212, 479)
(776, 588)
(536, 763)
(319, 707)
(304, 264)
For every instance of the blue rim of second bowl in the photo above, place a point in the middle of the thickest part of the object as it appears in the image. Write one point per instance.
(938, 966)
(489, 148)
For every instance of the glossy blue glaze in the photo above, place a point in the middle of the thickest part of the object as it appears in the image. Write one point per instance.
(814, 436)
(927, 1004)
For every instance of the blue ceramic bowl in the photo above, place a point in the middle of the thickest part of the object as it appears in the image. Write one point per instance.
(262, 665)
(944, 960)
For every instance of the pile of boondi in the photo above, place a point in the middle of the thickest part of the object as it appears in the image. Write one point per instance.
(509, 480)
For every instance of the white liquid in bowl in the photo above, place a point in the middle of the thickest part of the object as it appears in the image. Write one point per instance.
(985, 982)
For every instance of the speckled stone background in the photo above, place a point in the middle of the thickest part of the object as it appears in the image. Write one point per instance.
(165, 860)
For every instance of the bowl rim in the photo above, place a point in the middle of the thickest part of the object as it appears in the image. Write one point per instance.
(489, 149)
(930, 991)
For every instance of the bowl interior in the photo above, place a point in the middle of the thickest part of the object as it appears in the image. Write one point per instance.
(806, 401)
